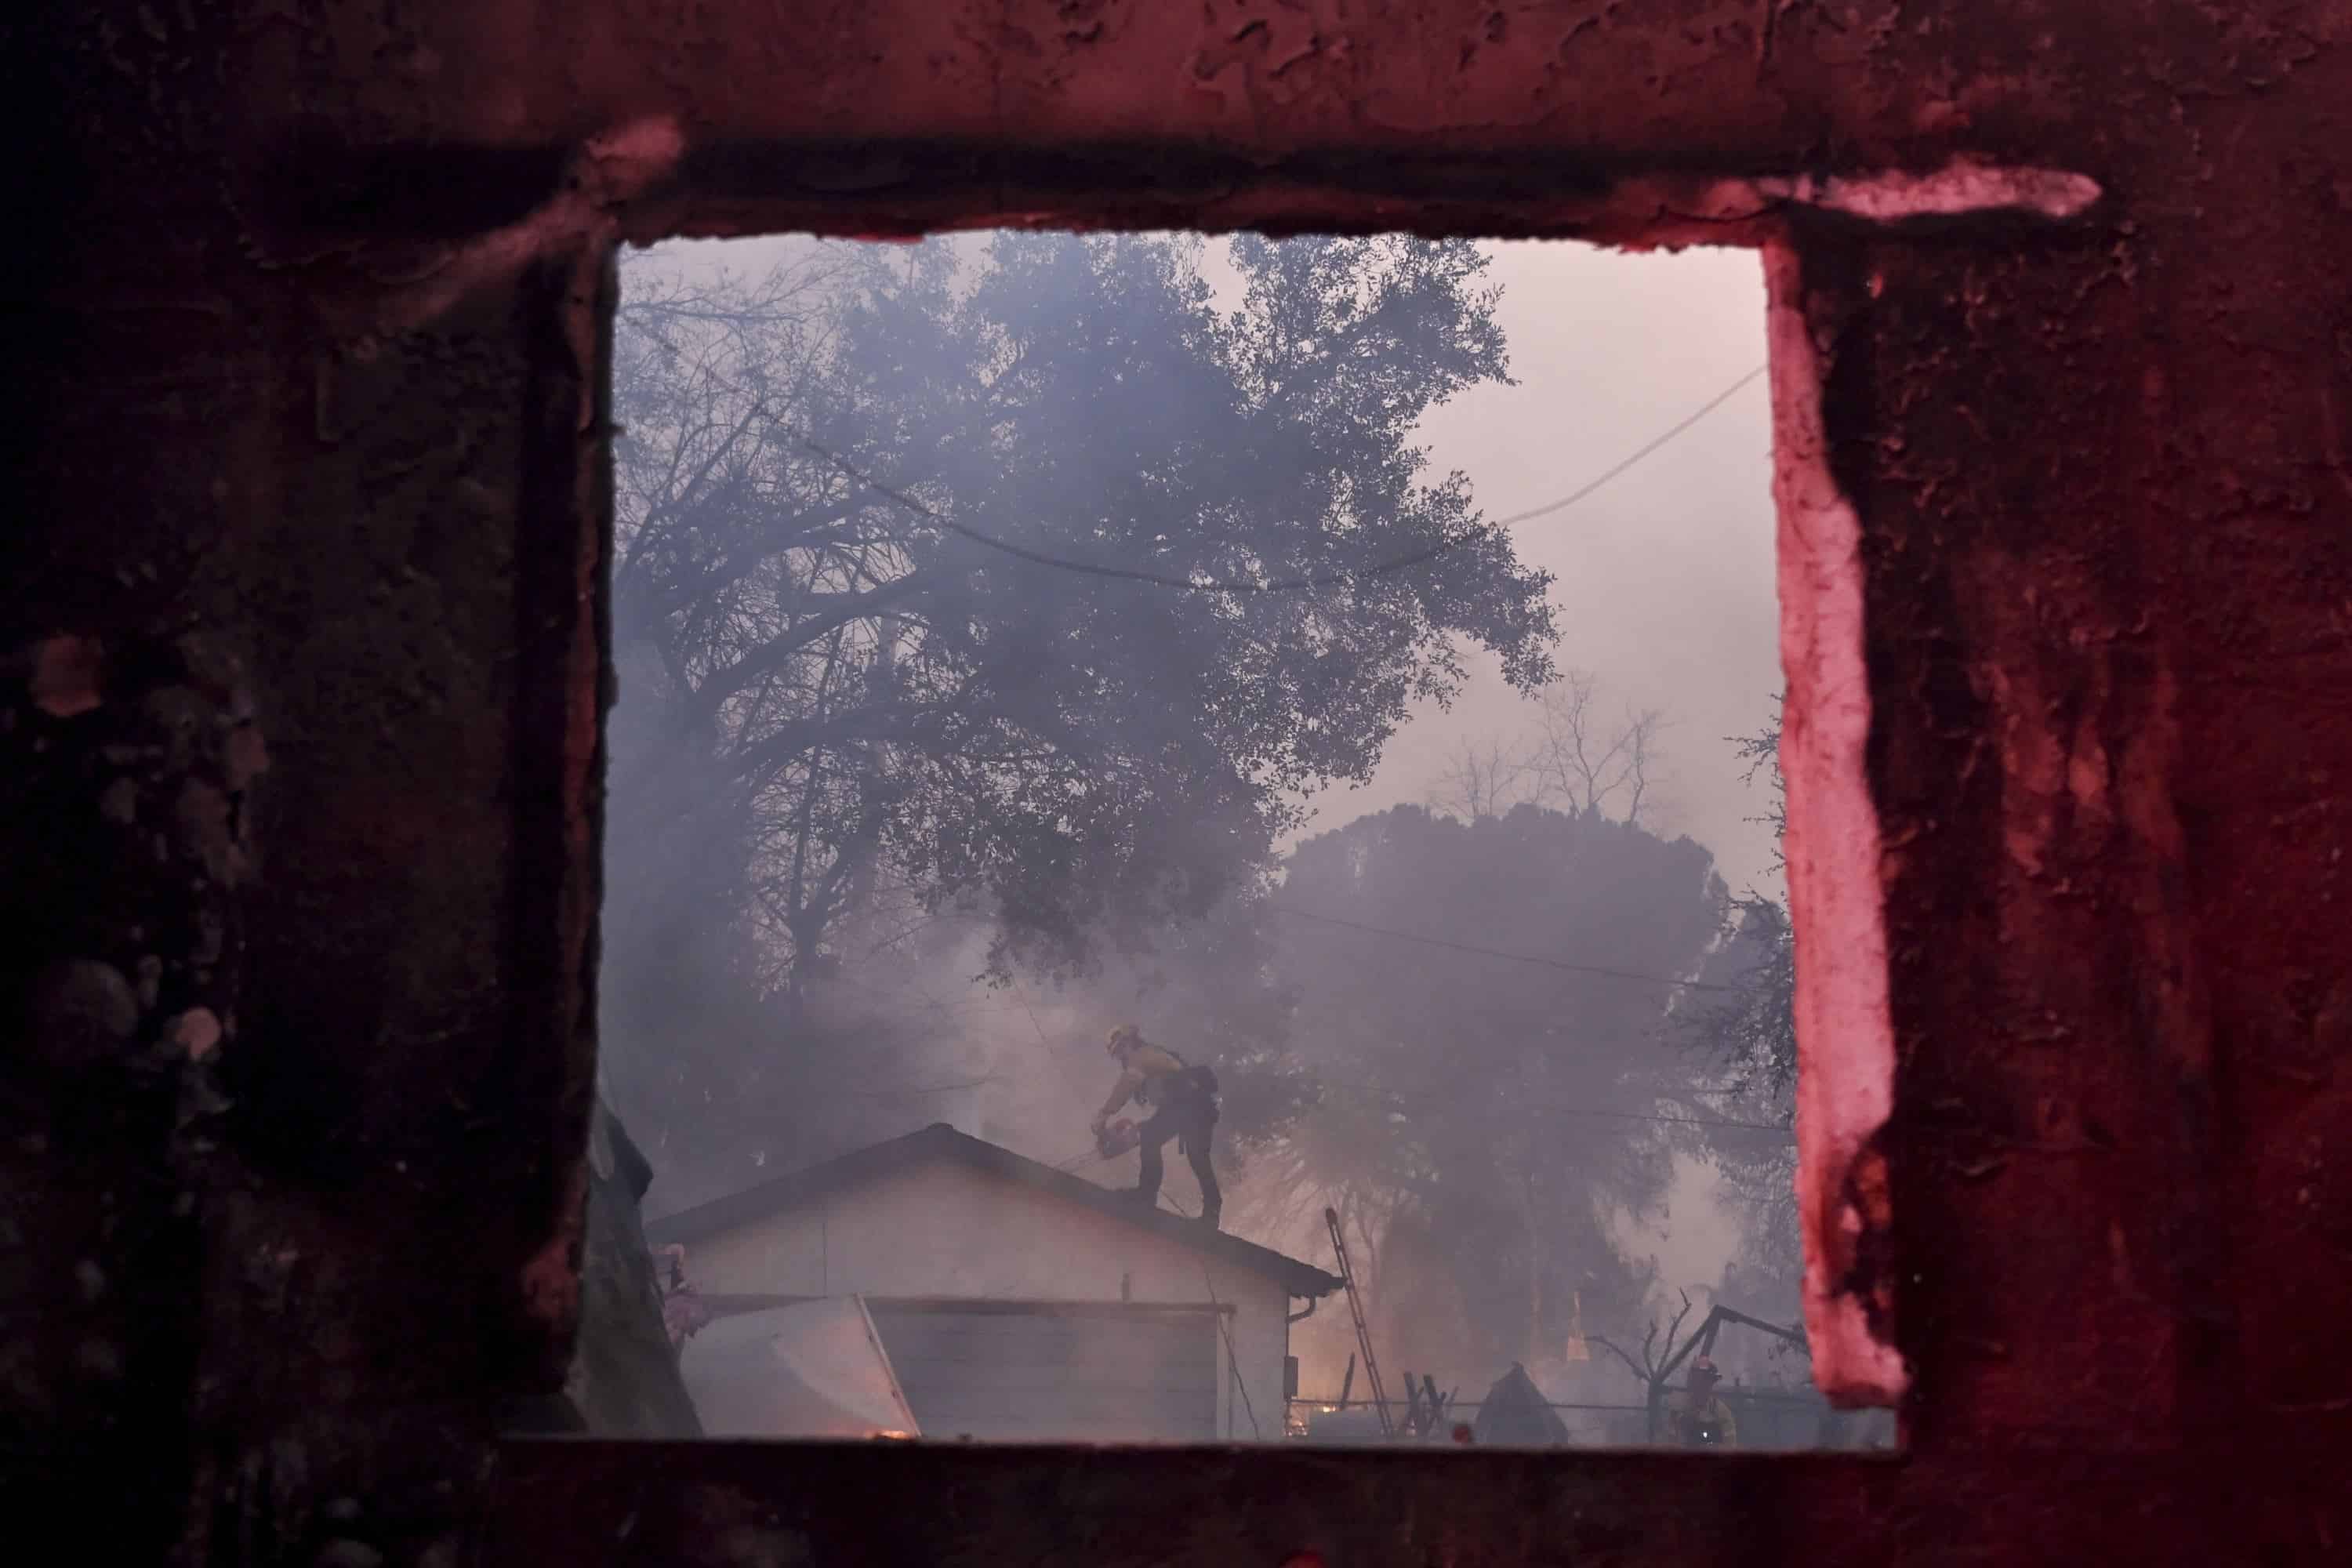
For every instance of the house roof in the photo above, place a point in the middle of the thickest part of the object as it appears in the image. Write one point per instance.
(941, 1141)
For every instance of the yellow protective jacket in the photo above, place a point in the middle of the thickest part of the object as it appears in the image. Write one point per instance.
(1686, 1415)
(1148, 1068)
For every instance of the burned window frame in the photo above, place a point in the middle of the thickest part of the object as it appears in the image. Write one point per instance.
(338, 276)
(690, 1496)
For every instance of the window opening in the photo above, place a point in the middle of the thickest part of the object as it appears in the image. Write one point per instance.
(1312, 655)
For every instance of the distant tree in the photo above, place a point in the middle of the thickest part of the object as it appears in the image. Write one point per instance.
(1477, 1110)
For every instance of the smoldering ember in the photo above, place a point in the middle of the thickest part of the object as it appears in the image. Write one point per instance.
(937, 783)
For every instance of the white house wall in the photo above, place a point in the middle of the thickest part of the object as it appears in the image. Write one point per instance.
(944, 1229)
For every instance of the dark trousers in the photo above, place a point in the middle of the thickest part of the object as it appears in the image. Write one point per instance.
(1191, 1123)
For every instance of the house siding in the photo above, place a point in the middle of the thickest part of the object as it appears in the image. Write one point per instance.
(944, 1229)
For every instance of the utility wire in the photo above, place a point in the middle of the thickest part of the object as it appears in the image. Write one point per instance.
(959, 1088)
(1233, 1356)
(1135, 574)
(1601, 970)
(1669, 1120)
(1022, 997)
(1549, 1108)
(1552, 1108)
(1573, 969)
(1556, 1109)
(1704, 409)
(1285, 585)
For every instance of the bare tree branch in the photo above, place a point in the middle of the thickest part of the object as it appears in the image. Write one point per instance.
(1583, 762)
(1675, 1326)
(1482, 782)
(1634, 1366)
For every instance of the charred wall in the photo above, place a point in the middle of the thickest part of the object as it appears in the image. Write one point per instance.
(302, 605)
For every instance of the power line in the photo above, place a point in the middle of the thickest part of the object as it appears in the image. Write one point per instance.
(1670, 1120)
(1022, 997)
(1285, 585)
(1598, 969)
(1135, 574)
(1704, 409)
(1574, 969)
(1555, 1109)
(959, 1088)
(1074, 1161)
(1232, 1357)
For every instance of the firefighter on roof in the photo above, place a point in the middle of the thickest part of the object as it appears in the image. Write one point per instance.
(1183, 1102)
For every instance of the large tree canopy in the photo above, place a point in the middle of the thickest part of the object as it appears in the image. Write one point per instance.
(851, 672)
(1483, 1111)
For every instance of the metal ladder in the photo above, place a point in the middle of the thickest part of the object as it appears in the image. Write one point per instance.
(1363, 1330)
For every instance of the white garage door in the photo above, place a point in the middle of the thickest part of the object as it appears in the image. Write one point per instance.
(1042, 1374)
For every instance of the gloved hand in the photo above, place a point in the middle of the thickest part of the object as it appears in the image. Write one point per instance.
(1096, 1126)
